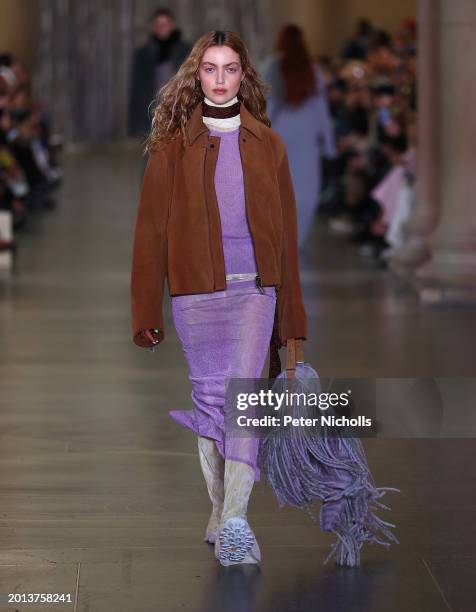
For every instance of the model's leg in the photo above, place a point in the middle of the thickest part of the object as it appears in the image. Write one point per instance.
(236, 542)
(252, 333)
(226, 335)
(212, 465)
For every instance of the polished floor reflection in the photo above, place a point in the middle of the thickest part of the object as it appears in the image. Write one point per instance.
(101, 492)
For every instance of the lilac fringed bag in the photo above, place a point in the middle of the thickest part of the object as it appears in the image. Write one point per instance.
(303, 467)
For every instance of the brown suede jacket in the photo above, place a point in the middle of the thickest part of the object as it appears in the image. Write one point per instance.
(178, 231)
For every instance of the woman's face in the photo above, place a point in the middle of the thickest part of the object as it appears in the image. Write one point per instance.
(220, 73)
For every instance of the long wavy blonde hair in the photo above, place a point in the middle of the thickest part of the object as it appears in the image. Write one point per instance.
(178, 98)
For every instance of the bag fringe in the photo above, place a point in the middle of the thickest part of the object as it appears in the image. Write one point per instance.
(303, 468)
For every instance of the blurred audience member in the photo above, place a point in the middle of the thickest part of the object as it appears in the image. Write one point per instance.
(357, 46)
(28, 170)
(369, 189)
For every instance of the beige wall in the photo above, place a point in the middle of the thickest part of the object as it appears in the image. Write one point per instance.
(312, 15)
(18, 29)
(328, 23)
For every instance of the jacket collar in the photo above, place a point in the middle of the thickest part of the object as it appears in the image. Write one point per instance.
(195, 126)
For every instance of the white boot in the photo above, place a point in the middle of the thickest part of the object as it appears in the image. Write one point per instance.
(212, 464)
(236, 542)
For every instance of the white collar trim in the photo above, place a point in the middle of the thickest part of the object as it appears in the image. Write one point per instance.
(227, 124)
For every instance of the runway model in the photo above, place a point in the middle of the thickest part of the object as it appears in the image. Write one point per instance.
(299, 112)
(217, 218)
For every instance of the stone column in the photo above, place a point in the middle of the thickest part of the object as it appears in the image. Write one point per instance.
(450, 275)
(424, 219)
(442, 261)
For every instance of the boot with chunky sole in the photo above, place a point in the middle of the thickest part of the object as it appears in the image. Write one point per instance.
(213, 465)
(236, 543)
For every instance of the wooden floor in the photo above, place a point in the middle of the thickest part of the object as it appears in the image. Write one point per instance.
(101, 492)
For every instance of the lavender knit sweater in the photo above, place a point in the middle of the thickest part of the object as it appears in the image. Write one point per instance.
(237, 242)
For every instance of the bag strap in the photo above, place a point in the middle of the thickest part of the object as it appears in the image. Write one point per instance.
(274, 346)
(294, 354)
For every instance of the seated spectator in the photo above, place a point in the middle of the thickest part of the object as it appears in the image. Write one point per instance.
(354, 210)
(396, 193)
(29, 171)
(369, 188)
(357, 46)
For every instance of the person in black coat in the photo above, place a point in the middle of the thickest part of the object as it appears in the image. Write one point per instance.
(153, 65)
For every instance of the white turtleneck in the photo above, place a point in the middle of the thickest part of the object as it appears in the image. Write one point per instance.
(226, 125)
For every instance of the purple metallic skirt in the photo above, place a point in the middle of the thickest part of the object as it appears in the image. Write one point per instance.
(224, 334)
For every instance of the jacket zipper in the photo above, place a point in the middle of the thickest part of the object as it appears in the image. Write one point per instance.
(208, 215)
(258, 281)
